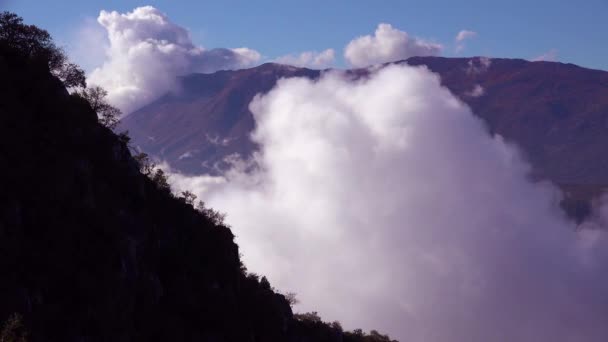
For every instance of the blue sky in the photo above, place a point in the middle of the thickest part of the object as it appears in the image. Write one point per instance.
(576, 30)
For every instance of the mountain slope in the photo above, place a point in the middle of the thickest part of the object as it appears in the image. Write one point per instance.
(556, 113)
(207, 119)
(92, 250)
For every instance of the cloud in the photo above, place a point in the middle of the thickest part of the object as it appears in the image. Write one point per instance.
(387, 45)
(549, 56)
(384, 203)
(461, 37)
(310, 59)
(478, 65)
(147, 51)
(477, 91)
(465, 34)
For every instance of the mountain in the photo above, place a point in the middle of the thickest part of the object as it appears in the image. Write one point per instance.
(91, 249)
(557, 114)
(207, 119)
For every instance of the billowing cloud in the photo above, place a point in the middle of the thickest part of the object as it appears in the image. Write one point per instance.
(549, 56)
(461, 37)
(387, 45)
(311, 59)
(384, 203)
(147, 51)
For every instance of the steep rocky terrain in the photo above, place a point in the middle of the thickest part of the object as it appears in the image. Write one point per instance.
(93, 250)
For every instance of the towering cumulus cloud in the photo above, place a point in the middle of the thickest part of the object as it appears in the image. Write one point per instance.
(387, 45)
(384, 203)
(147, 52)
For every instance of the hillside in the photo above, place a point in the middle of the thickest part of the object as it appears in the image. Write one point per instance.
(557, 114)
(93, 250)
(207, 119)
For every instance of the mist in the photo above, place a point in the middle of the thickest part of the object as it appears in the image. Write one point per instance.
(384, 203)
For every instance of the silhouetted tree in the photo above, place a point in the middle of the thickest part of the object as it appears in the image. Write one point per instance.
(291, 298)
(13, 330)
(337, 326)
(161, 181)
(308, 316)
(96, 96)
(264, 283)
(124, 138)
(146, 166)
(215, 216)
(35, 43)
(188, 197)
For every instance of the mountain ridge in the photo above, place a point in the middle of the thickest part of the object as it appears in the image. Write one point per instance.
(555, 113)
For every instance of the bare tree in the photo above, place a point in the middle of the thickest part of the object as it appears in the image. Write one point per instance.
(188, 197)
(36, 43)
(96, 96)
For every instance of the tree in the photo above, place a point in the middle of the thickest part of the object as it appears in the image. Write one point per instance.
(124, 138)
(188, 197)
(13, 330)
(96, 96)
(291, 298)
(337, 326)
(309, 317)
(35, 43)
(214, 216)
(265, 284)
(146, 166)
(160, 179)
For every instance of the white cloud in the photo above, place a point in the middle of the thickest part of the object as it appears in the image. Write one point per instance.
(549, 56)
(461, 37)
(385, 204)
(465, 34)
(477, 91)
(387, 45)
(147, 51)
(478, 65)
(310, 59)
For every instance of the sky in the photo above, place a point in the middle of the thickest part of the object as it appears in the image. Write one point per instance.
(567, 31)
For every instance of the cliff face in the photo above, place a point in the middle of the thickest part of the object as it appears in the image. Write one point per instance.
(92, 250)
